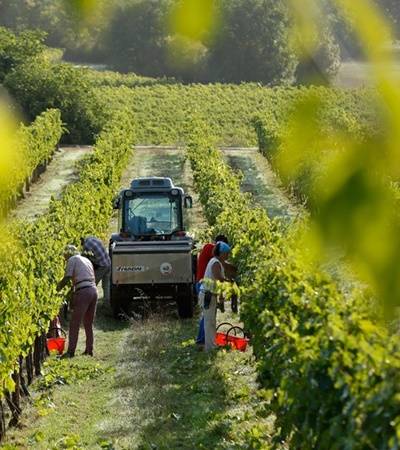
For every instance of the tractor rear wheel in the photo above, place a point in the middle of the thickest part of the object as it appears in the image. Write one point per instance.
(116, 301)
(185, 302)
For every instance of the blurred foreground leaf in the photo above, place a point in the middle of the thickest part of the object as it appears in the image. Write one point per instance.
(8, 129)
(193, 19)
(348, 173)
(82, 7)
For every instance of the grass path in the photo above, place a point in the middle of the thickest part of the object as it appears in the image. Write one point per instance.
(66, 414)
(260, 180)
(60, 172)
(357, 74)
(148, 386)
(171, 396)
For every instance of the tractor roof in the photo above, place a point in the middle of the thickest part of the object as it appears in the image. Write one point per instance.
(150, 183)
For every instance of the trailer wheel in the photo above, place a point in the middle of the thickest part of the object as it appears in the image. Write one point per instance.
(185, 302)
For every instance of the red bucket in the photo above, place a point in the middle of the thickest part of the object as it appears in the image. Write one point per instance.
(220, 337)
(238, 343)
(56, 344)
(228, 339)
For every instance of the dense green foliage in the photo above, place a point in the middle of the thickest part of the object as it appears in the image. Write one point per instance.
(34, 264)
(162, 111)
(234, 58)
(87, 98)
(241, 47)
(348, 112)
(332, 372)
(108, 78)
(248, 40)
(136, 39)
(18, 48)
(39, 85)
(61, 21)
(34, 145)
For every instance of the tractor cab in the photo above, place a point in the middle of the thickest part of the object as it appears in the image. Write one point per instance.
(152, 209)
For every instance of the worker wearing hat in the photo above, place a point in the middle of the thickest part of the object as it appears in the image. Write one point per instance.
(208, 292)
(203, 259)
(80, 271)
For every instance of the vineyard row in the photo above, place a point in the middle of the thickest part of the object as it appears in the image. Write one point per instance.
(33, 148)
(32, 260)
(163, 109)
(332, 374)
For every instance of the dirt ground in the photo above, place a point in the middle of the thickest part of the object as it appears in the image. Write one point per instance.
(60, 172)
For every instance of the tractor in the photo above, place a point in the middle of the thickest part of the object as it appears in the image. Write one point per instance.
(152, 254)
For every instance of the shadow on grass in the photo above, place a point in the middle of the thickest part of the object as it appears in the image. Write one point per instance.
(170, 395)
(105, 321)
(164, 163)
(254, 183)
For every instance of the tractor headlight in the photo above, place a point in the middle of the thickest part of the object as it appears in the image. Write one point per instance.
(174, 192)
(129, 194)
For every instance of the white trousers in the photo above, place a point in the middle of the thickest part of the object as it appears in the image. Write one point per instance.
(210, 321)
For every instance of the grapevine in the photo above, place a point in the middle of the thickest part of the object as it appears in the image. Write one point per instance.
(34, 147)
(331, 371)
(34, 264)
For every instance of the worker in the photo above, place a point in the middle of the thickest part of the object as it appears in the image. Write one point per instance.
(208, 292)
(80, 271)
(94, 249)
(203, 259)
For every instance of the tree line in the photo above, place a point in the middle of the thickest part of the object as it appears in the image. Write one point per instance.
(251, 40)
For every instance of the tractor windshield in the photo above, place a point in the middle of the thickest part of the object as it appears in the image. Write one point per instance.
(152, 214)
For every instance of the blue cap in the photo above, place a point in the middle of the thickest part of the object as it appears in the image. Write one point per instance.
(223, 247)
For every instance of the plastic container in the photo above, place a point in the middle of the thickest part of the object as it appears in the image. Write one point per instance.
(57, 344)
(230, 337)
(236, 342)
(220, 336)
